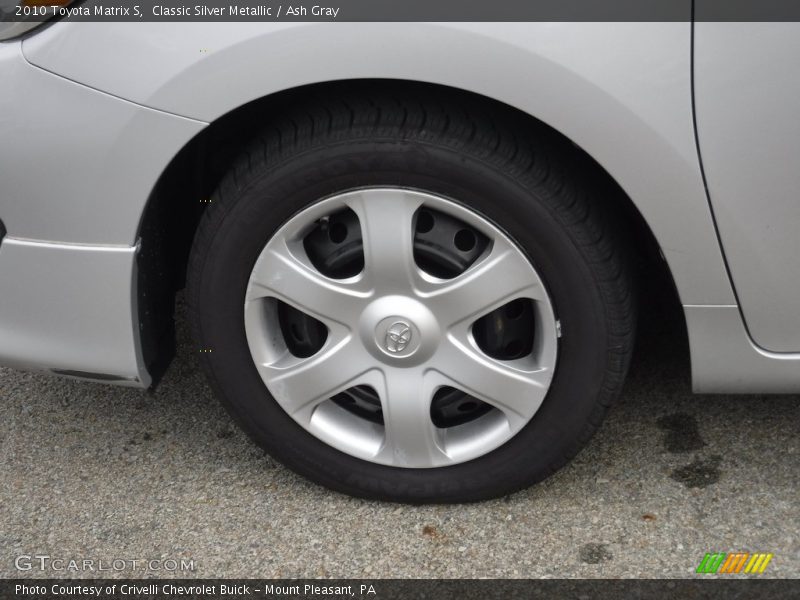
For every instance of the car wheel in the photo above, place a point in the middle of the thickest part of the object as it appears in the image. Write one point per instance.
(402, 298)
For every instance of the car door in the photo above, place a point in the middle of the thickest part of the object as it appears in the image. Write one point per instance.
(747, 88)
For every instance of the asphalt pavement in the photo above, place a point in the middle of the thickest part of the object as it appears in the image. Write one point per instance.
(166, 484)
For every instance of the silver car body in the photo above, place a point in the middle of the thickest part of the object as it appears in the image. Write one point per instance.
(92, 113)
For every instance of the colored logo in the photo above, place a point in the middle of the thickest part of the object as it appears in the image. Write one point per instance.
(734, 562)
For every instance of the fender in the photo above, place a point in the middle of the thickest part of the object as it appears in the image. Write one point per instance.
(624, 98)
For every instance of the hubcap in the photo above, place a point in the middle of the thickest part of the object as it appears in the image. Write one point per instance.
(401, 328)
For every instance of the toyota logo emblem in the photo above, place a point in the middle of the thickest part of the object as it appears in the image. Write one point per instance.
(398, 336)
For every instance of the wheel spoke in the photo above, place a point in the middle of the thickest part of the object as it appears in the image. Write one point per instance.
(498, 278)
(516, 392)
(386, 228)
(411, 438)
(279, 273)
(300, 384)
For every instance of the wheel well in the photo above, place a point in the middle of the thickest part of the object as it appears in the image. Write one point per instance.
(183, 191)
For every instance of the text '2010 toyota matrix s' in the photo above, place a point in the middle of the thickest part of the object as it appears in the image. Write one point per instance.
(411, 250)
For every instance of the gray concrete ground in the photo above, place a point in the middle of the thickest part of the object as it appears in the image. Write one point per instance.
(96, 472)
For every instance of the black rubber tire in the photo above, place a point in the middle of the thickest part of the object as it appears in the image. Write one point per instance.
(518, 174)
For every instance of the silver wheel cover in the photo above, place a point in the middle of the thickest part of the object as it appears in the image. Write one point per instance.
(401, 331)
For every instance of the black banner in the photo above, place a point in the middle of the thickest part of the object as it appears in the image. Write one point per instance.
(414, 589)
(399, 10)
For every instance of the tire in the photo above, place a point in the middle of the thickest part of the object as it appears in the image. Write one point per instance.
(516, 179)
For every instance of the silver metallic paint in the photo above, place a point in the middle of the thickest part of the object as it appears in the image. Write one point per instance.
(747, 83)
(77, 165)
(725, 360)
(74, 163)
(69, 307)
